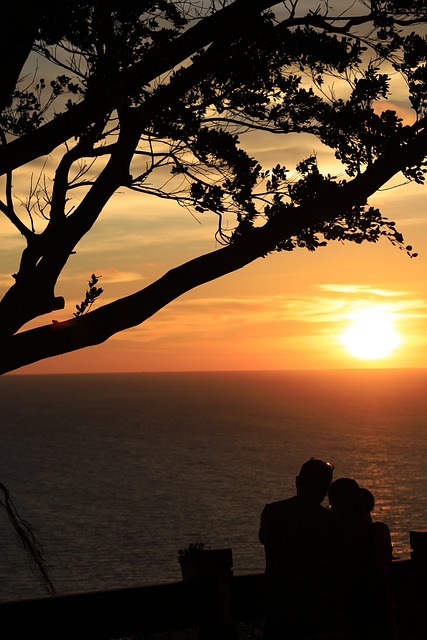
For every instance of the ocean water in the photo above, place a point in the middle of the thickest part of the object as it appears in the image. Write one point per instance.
(116, 472)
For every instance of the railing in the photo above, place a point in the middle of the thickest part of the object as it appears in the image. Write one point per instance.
(213, 600)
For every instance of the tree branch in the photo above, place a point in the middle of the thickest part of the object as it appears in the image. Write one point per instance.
(97, 326)
(105, 98)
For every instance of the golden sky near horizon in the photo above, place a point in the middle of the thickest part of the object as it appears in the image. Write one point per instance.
(286, 311)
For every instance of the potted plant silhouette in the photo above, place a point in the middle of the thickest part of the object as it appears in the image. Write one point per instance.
(199, 562)
(189, 559)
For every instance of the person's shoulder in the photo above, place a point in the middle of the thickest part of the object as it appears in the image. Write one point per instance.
(381, 532)
(381, 526)
(280, 505)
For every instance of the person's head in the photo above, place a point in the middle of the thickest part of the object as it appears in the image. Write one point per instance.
(345, 499)
(368, 501)
(314, 479)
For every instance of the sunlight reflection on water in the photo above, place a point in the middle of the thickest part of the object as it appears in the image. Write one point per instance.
(119, 471)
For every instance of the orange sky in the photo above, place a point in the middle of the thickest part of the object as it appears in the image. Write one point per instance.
(283, 312)
(286, 311)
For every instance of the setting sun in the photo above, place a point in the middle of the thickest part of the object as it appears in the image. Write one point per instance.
(371, 334)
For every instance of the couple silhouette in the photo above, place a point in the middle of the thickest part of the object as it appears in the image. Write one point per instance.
(327, 569)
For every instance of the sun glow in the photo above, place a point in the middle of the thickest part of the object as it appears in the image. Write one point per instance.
(371, 334)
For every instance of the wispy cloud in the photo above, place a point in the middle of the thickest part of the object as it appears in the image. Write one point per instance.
(294, 316)
(361, 290)
(109, 275)
(353, 297)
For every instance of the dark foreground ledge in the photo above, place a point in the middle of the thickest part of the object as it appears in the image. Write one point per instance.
(213, 600)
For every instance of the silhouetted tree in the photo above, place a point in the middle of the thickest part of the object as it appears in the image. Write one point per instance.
(118, 93)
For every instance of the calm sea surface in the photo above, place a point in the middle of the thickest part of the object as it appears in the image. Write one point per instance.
(118, 471)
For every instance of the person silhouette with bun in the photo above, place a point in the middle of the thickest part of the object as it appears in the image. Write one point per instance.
(367, 603)
(368, 502)
(304, 551)
(381, 528)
